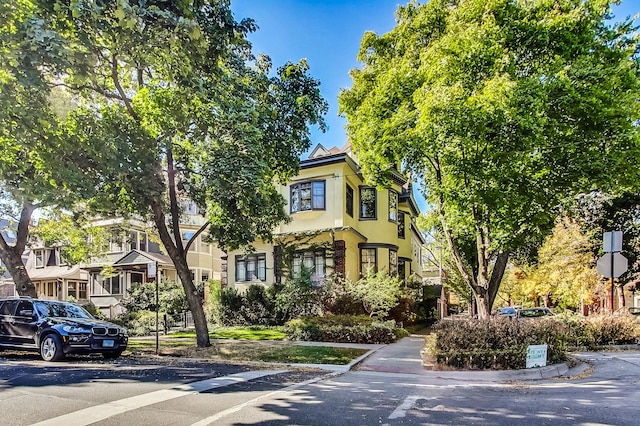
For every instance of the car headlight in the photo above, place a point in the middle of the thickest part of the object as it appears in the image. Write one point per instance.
(74, 329)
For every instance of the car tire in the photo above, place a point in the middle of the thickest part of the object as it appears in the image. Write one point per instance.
(111, 355)
(51, 348)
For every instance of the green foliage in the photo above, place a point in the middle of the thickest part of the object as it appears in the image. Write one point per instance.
(142, 297)
(377, 292)
(94, 311)
(497, 343)
(142, 322)
(595, 331)
(343, 328)
(297, 297)
(506, 109)
(78, 240)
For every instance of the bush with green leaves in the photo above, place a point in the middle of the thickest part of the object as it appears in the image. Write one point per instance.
(343, 329)
(496, 343)
(594, 331)
(143, 322)
(378, 292)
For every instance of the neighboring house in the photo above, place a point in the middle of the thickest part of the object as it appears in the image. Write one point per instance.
(339, 225)
(132, 257)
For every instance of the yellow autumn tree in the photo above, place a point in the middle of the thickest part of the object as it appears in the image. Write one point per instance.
(566, 266)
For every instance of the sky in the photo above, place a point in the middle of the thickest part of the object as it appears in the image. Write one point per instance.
(327, 33)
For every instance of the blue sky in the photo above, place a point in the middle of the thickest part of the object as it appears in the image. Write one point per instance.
(328, 33)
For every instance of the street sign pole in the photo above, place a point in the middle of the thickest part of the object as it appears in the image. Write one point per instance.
(612, 243)
(612, 262)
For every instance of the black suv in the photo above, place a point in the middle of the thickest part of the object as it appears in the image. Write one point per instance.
(57, 328)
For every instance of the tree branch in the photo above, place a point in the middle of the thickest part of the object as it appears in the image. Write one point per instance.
(119, 88)
(193, 238)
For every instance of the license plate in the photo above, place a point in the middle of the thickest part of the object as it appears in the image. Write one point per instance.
(107, 343)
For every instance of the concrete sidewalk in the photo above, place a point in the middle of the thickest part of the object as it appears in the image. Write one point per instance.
(404, 357)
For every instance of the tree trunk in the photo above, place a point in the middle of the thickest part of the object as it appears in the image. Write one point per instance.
(621, 301)
(12, 255)
(179, 259)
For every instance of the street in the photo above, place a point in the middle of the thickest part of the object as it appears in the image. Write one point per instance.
(154, 391)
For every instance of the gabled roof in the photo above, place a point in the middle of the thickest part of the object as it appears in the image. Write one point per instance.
(54, 272)
(138, 257)
(321, 151)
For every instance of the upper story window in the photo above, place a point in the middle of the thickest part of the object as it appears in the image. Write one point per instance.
(308, 196)
(190, 207)
(251, 268)
(368, 202)
(393, 206)
(401, 219)
(116, 242)
(137, 240)
(205, 247)
(39, 255)
(349, 201)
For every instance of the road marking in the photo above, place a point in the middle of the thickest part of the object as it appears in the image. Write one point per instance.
(211, 419)
(100, 412)
(408, 403)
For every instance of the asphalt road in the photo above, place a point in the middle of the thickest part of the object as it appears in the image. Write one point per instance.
(161, 392)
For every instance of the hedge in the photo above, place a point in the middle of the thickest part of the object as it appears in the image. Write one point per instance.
(343, 329)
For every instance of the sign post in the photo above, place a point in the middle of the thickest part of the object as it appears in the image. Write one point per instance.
(612, 264)
(152, 272)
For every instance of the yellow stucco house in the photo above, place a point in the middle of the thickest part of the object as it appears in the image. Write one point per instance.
(339, 225)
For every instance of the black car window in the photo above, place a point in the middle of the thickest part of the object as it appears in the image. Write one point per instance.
(61, 310)
(25, 306)
(8, 307)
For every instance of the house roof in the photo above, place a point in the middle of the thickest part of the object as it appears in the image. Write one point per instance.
(138, 257)
(54, 272)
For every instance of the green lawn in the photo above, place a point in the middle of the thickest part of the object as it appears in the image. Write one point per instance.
(238, 333)
(312, 355)
(244, 344)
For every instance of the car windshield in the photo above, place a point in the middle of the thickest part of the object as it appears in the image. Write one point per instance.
(533, 312)
(64, 310)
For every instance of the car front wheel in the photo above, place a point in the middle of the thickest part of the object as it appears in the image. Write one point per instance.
(51, 348)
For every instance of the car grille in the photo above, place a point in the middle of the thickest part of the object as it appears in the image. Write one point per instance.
(105, 331)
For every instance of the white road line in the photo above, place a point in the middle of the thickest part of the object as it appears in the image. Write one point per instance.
(100, 412)
(211, 419)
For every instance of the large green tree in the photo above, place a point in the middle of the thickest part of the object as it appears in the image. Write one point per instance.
(504, 108)
(33, 172)
(173, 106)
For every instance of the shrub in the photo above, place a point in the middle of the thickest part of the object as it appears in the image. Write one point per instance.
(599, 330)
(142, 323)
(495, 343)
(343, 329)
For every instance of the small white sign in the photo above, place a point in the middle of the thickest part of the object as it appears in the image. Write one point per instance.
(151, 270)
(536, 356)
(612, 241)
